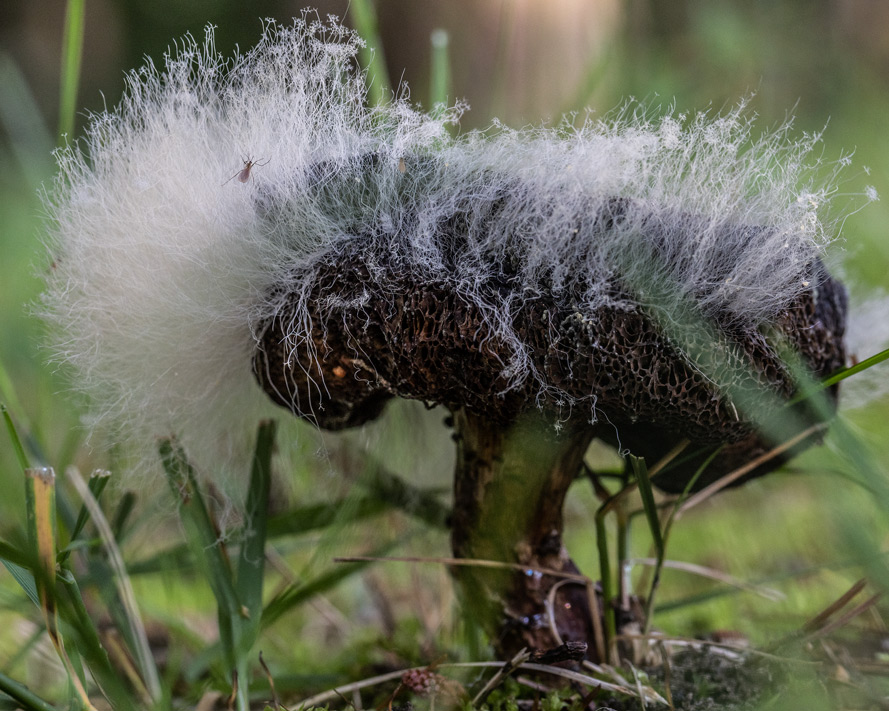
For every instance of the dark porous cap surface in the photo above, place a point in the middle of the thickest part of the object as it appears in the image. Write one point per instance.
(646, 376)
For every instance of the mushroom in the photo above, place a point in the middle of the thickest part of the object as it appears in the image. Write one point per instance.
(639, 279)
(645, 370)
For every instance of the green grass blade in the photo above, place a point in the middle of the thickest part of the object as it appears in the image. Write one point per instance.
(839, 376)
(16, 554)
(202, 534)
(252, 555)
(364, 17)
(291, 523)
(14, 436)
(8, 398)
(295, 522)
(646, 493)
(298, 593)
(397, 493)
(85, 637)
(304, 519)
(24, 578)
(98, 481)
(440, 69)
(668, 526)
(72, 52)
(857, 368)
(203, 538)
(33, 445)
(607, 581)
(122, 515)
(27, 699)
(27, 135)
(170, 560)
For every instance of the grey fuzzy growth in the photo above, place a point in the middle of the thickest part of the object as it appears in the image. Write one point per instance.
(165, 270)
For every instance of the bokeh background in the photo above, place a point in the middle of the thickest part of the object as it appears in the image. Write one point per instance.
(825, 62)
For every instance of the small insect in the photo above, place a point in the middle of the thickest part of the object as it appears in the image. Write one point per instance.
(243, 175)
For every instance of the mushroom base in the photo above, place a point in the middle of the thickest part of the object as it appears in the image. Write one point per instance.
(510, 486)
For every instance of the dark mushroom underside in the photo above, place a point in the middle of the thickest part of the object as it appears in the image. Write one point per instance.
(614, 373)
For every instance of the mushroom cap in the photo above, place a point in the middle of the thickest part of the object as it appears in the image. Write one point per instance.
(372, 253)
(646, 369)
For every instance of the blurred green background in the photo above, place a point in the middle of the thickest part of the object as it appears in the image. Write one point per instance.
(826, 62)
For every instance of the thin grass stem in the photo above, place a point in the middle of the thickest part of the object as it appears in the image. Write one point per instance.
(72, 52)
(142, 650)
(251, 558)
(661, 540)
(440, 69)
(203, 537)
(40, 492)
(605, 579)
(364, 16)
(28, 700)
(14, 436)
(839, 376)
(733, 476)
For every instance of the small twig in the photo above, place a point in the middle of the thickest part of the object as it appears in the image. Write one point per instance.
(605, 670)
(590, 681)
(540, 688)
(818, 620)
(596, 614)
(347, 702)
(639, 687)
(469, 562)
(733, 476)
(341, 691)
(268, 675)
(387, 703)
(665, 661)
(818, 626)
(502, 674)
(234, 697)
(652, 472)
(567, 652)
(844, 619)
(550, 607)
(713, 574)
(727, 649)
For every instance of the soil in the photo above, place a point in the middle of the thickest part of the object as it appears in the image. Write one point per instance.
(702, 680)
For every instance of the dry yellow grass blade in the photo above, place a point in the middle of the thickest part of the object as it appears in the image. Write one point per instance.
(468, 562)
(40, 490)
(733, 476)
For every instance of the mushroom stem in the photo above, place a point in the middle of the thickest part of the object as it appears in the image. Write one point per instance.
(510, 486)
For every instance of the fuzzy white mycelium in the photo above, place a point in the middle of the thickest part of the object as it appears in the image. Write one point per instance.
(163, 266)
